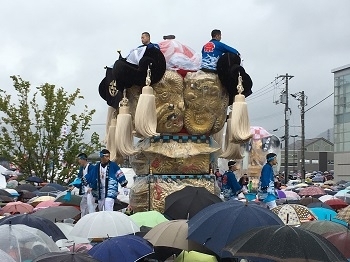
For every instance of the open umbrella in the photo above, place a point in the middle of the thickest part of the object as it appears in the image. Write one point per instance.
(48, 203)
(36, 200)
(28, 187)
(72, 200)
(323, 213)
(148, 218)
(308, 200)
(283, 243)
(5, 199)
(293, 214)
(17, 207)
(312, 191)
(187, 202)
(66, 257)
(58, 213)
(186, 256)
(336, 203)
(341, 240)
(127, 248)
(22, 242)
(58, 187)
(326, 197)
(291, 195)
(323, 226)
(34, 179)
(104, 224)
(319, 204)
(4, 257)
(47, 189)
(221, 223)
(3, 192)
(40, 223)
(67, 228)
(344, 214)
(173, 234)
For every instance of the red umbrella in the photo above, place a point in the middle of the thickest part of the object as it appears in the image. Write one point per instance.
(312, 191)
(341, 240)
(17, 207)
(336, 203)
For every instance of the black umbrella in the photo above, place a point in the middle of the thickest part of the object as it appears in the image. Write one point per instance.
(5, 199)
(34, 179)
(58, 213)
(187, 202)
(5, 193)
(65, 256)
(58, 187)
(283, 243)
(47, 189)
(43, 224)
(28, 187)
(221, 223)
(118, 205)
(68, 199)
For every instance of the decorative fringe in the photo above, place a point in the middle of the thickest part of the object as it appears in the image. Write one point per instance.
(218, 137)
(146, 115)
(231, 150)
(123, 130)
(111, 140)
(240, 125)
(110, 115)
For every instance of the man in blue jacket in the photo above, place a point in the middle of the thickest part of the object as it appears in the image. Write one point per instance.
(266, 188)
(230, 186)
(213, 50)
(104, 179)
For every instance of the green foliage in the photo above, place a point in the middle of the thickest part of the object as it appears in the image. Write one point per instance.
(31, 134)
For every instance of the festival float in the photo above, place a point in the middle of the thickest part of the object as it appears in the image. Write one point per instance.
(168, 117)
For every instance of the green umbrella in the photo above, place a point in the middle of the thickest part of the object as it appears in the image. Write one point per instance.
(194, 256)
(148, 218)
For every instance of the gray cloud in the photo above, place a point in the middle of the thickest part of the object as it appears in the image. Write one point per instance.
(67, 43)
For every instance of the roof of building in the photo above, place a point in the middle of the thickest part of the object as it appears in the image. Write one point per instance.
(308, 142)
(340, 68)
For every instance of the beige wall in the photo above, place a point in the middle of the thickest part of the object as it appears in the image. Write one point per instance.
(342, 166)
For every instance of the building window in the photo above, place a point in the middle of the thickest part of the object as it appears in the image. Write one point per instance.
(314, 161)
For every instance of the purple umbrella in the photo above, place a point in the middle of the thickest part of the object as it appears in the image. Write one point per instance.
(281, 194)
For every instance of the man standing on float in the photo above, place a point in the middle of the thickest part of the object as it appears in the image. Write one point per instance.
(104, 179)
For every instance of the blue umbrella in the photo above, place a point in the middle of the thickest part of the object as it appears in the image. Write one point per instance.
(219, 224)
(128, 248)
(323, 213)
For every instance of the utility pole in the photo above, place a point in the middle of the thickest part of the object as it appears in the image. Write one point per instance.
(302, 115)
(286, 124)
(300, 96)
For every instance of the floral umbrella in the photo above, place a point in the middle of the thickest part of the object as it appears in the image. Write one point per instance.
(312, 191)
(293, 214)
(344, 214)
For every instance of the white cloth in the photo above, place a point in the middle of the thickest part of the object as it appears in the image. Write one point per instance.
(106, 204)
(87, 204)
(135, 55)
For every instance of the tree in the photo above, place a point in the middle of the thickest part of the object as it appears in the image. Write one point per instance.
(31, 135)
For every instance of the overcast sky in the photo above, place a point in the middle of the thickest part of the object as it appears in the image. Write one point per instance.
(67, 43)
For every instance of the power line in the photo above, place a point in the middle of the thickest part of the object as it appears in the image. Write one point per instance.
(318, 103)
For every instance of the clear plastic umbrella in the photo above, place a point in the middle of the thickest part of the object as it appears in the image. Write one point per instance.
(5, 257)
(22, 242)
(104, 224)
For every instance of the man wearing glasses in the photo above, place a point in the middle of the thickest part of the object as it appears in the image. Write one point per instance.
(104, 179)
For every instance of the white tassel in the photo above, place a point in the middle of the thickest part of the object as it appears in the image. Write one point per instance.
(110, 115)
(123, 130)
(111, 141)
(146, 114)
(231, 150)
(240, 125)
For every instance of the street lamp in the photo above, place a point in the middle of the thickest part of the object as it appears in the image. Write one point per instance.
(294, 136)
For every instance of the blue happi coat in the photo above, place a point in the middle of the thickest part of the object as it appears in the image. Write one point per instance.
(114, 175)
